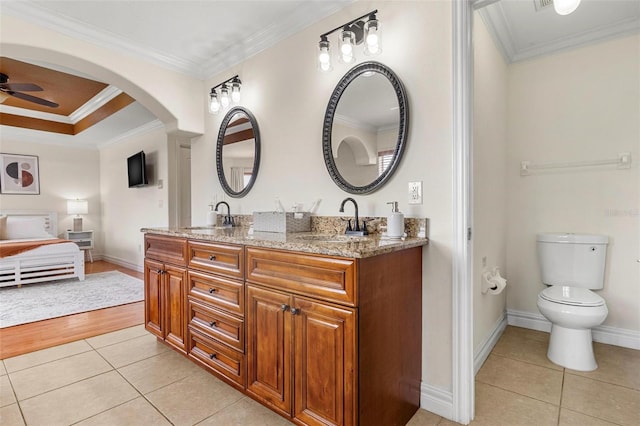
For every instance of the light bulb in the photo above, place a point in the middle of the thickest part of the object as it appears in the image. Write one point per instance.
(235, 92)
(565, 7)
(324, 54)
(347, 41)
(214, 105)
(372, 40)
(224, 96)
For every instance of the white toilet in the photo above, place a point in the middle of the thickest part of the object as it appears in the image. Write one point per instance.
(572, 265)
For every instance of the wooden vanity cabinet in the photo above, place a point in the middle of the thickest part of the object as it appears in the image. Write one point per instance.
(165, 289)
(216, 300)
(328, 363)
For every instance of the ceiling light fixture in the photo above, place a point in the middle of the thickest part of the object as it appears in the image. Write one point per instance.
(565, 7)
(217, 103)
(352, 33)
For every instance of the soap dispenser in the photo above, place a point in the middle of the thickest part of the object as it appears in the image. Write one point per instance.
(395, 222)
(212, 216)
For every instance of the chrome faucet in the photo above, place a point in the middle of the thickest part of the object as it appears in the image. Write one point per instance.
(228, 220)
(356, 230)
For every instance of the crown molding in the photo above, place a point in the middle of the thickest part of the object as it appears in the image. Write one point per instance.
(95, 103)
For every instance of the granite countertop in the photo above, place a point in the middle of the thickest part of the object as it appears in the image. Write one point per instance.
(307, 242)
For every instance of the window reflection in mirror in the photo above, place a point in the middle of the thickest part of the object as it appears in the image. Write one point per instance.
(238, 152)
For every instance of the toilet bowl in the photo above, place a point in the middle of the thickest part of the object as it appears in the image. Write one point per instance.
(572, 317)
(572, 265)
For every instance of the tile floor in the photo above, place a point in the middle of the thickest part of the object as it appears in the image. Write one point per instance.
(128, 378)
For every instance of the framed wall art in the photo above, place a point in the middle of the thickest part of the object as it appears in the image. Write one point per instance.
(19, 174)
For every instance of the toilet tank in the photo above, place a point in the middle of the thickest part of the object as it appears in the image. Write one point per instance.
(575, 260)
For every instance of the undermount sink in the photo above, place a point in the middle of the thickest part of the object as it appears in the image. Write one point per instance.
(339, 238)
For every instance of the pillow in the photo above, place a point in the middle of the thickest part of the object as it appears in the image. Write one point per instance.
(26, 227)
(3, 227)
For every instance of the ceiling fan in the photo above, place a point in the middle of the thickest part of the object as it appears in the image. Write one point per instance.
(16, 89)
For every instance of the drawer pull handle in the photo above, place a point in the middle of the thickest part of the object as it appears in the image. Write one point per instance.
(212, 257)
(213, 324)
(295, 311)
(213, 356)
(159, 271)
(285, 307)
(212, 290)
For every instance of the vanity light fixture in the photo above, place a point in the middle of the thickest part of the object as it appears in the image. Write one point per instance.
(352, 33)
(222, 101)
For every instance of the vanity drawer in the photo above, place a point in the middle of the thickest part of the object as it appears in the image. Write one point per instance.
(221, 359)
(329, 278)
(166, 249)
(223, 259)
(219, 292)
(217, 325)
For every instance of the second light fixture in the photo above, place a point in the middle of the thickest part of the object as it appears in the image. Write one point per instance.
(352, 33)
(216, 103)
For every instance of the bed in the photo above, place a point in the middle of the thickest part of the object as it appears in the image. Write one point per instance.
(32, 252)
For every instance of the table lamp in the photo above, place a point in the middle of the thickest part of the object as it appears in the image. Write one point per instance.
(77, 207)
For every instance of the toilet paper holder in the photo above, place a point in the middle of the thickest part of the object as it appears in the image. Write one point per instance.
(492, 281)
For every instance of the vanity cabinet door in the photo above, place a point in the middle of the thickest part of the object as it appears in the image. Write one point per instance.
(269, 347)
(175, 306)
(324, 363)
(153, 297)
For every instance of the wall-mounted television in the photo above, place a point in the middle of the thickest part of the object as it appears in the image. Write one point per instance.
(136, 170)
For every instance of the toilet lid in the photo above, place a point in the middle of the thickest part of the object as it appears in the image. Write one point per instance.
(571, 296)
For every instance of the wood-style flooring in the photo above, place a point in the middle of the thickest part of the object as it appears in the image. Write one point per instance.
(25, 338)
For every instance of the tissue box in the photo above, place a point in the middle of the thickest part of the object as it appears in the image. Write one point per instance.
(281, 221)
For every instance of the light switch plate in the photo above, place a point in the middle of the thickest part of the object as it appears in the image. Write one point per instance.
(415, 192)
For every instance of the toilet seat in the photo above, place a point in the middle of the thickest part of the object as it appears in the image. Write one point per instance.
(573, 296)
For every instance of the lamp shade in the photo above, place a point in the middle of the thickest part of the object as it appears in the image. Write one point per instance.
(77, 206)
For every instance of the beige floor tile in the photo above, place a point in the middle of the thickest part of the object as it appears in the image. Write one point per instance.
(133, 413)
(46, 377)
(117, 336)
(620, 366)
(3, 370)
(602, 400)
(526, 333)
(45, 355)
(158, 371)
(526, 379)
(78, 401)
(7, 396)
(130, 351)
(11, 416)
(571, 418)
(521, 346)
(424, 418)
(245, 412)
(497, 407)
(194, 398)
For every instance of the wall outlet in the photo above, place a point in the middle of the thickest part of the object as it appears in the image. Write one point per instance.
(415, 192)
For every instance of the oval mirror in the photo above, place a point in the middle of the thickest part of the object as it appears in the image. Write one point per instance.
(365, 128)
(238, 152)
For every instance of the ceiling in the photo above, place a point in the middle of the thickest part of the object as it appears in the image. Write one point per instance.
(203, 38)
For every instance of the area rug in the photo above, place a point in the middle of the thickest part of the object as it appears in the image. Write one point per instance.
(36, 302)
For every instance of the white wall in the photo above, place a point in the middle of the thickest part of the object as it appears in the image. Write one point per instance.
(288, 96)
(126, 210)
(65, 173)
(489, 179)
(578, 105)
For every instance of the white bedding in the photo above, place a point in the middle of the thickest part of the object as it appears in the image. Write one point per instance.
(64, 248)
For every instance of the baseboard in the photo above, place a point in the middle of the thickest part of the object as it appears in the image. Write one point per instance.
(124, 263)
(487, 345)
(436, 400)
(602, 334)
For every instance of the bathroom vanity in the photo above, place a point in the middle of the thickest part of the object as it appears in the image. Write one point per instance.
(321, 329)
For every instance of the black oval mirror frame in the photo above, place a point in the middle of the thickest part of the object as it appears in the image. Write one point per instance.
(403, 105)
(256, 159)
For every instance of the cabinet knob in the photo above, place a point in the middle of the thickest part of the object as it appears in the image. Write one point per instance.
(212, 257)
(295, 311)
(212, 290)
(212, 324)
(285, 307)
(213, 356)
(158, 271)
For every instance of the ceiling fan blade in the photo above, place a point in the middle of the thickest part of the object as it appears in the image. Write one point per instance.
(21, 87)
(32, 99)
